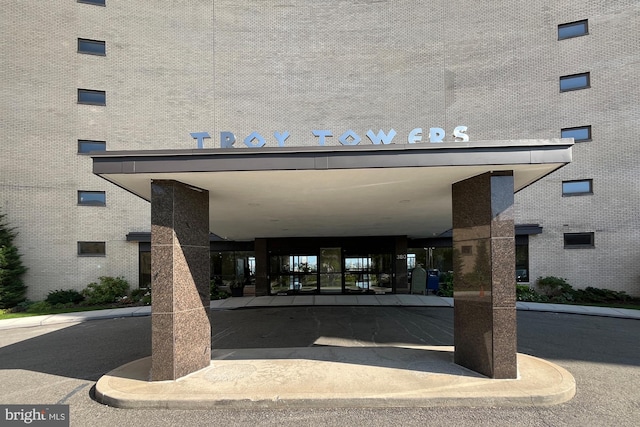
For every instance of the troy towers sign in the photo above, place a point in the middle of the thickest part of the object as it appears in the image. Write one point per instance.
(256, 140)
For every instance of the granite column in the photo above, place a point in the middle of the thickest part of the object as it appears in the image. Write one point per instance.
(484, 275)
(180, 325)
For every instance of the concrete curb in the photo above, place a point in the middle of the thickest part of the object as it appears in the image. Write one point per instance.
(76, 317)
(329, 377)
(311, 300)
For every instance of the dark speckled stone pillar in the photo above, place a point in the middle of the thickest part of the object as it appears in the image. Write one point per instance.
(484, 275)
(180, 326)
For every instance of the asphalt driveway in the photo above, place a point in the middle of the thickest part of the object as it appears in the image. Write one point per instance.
(61, 363)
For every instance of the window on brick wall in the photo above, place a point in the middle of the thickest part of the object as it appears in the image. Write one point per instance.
(579, 134)
(92, 47)
(86, 146)
(573, 29)
(578, 240)
(92, 97)
(575, 82)
(577, 188)
(92, 198)
(96, 2)
(91, 249)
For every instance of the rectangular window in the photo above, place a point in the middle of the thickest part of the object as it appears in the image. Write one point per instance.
(86, 146)
(578, 240)
(575, 82)
(96, 2)
(91, 249)
(573, 29)
(92, 97)
(92, 198)
(579, 134)
(92, 47)
(577, 188)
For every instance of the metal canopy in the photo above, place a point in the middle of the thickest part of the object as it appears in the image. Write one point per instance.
(368, 190)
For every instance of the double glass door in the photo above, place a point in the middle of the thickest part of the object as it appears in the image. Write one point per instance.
(330, 271)
(293, 274)
(368, 273)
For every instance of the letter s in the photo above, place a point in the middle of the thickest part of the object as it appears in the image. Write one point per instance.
(460, 135)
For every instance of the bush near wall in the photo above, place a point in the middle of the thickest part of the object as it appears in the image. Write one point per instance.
(557, 290)
(107, 291)
(64, 297)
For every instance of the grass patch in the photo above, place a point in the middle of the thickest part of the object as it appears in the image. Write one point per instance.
(6, 314)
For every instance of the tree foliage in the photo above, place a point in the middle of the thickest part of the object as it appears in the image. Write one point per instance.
(12, 289)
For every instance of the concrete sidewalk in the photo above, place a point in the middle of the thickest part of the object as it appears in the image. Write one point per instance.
(310, 300)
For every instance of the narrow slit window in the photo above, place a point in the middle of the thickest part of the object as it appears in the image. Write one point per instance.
(95, 2)
(92, 97)
(578, 240)
(577, 187)
(92, 47)
(579, 134)
(92, 249)
(573, 29)
(92, 198)
(575, 82)
(86, 146)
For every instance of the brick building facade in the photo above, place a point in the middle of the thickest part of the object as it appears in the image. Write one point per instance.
(227, 66)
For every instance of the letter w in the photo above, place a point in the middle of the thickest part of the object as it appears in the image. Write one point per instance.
(381, 137)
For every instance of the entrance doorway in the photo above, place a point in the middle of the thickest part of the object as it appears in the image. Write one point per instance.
(293, 273)
(332, 270)
(368, 273)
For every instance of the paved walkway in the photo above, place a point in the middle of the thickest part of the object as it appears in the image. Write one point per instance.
(284, 301)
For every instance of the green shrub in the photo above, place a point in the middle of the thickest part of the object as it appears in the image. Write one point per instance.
(446, 285)
(597, 295)
(107, 291)
(554, 286)
(64, 297)
(141, 295)
(39, 307)
(215, 292)
(63, 305)
(525, 293)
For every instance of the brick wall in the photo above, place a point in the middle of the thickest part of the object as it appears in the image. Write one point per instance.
(180, 67)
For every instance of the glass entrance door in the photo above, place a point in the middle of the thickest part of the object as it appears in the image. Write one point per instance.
(294, 274)
(370, 273)
(331, 270)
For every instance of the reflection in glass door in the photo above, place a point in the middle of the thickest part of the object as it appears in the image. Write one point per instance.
(294, 274)
(370, 273)
(330, 270)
